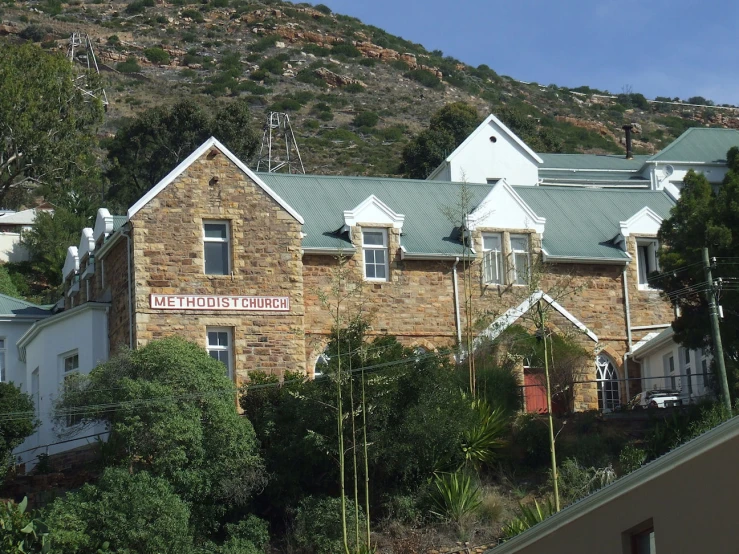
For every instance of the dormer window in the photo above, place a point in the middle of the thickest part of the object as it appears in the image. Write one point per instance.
(646, 260)
(375, 251)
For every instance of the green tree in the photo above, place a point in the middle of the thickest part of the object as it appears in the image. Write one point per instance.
(538, 137)
(149, 147)
(448, 128)
(46, 125)
(702, 218)
(129, 512)
(175, 418)
(20, 531)
(47, 242)
(7, 286)
(15, 429)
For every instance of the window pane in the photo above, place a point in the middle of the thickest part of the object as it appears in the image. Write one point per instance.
(370, 271)
(380, 257)
(2, 343)
(71, 363)
(519, 244)
(380, 272)
(491, 242)
(2, 367)
(374, 238)
(522, 268)
(216, 258)
(216, 231)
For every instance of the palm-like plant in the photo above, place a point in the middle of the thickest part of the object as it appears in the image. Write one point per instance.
(455, 498)
(486, 438)
(528, 516)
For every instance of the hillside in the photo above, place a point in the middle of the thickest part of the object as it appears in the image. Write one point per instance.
(325, 69)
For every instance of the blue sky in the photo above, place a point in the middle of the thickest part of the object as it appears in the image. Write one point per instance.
(678, 48)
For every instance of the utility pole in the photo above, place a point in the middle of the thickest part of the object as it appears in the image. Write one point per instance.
(716, 332)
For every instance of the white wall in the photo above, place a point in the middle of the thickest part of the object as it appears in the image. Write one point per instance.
(656, 375)
(12, 329)
(674, 182)
(83, 330)
(479, 159)
(11, 249)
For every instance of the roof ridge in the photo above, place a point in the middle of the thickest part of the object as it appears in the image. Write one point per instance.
(372, 177)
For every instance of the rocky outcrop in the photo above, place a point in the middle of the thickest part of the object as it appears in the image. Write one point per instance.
(336, 80)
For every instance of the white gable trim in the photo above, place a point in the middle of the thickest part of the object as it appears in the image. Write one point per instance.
(87, 242)
(103, 224)
(72, 262)
(479, 214)
(210, 143)
(645, 214)
(513, 314)
(498, 123)
(360, 214)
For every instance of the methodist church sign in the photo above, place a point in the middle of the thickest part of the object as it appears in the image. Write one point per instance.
(227, 303)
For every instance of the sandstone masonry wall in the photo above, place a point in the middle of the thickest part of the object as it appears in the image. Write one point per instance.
(266, 260)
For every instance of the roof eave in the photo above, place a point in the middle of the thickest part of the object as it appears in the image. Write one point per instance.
(583, 259)
(330, 251)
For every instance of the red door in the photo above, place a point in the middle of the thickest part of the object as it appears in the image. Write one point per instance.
(535, 392)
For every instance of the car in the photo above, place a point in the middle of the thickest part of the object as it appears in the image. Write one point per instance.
(657, 398)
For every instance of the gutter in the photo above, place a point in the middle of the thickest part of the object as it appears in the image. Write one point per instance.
(456, 301)
(583, 259)
(329, 251)
(628, 328)
(130, 309)
(405, 255)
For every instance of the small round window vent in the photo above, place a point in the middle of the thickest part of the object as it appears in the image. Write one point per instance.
(669, 170)
(493, 139)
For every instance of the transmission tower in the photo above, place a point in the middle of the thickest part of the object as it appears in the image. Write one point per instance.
(82, 56)
(279, 148)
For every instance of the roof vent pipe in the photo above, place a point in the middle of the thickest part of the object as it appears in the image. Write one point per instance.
(629, 153)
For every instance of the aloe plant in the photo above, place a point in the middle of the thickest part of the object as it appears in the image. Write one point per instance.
(528, 516)
(486, 438)
(455, 497)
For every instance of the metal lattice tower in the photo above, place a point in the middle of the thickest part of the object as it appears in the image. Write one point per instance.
(279, 148)
(82, 56)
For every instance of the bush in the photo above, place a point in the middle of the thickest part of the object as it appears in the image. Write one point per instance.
(425, 77)
(21, 532)
(631, 459)
(264, 43)
(129, 66)
(318, 526)
(34, 33)
(344, 49)
(323, 8)
(136, 513)
(368, 62)
(273, 65)
(138, 6)
(455, 498)
(195, 15)
(14, 431)
(354, 88)
(157, 55)
(366, 119)
(320, 51)
(285, 105)
(259, 75)
(576, 481)
(527, 517)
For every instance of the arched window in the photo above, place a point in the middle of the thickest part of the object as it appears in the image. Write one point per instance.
(609, 395)
(321, 365)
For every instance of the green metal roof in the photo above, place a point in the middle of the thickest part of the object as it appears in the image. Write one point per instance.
(14, 307)
(322, 200)
(700, 144)
(581, 223)
(592, 161)
(119, 221)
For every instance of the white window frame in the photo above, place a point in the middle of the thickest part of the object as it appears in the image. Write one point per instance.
(227, 241)
(651, 262)
(229, 348)
(376, 247)
(3, 361)
(686, 360)
(72, 419)
(519, 277)
(492, 260)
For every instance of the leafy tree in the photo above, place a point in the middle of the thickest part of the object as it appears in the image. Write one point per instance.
(14, 430)
(20, 531)
(123, 512)
(157, 55)
(448, 128)
(47, 242)
(538, 138)
(46, 124)
(150, 146)
(7, 286)
(175, 418)
(702, 218)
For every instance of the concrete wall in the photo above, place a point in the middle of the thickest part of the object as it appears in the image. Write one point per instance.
(690, 507)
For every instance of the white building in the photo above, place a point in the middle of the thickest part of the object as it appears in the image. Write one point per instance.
(12, 224)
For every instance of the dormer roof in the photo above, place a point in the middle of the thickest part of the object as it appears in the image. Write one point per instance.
(71, 263)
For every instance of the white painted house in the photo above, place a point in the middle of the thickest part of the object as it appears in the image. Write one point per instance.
(667, 365)
(12, 224)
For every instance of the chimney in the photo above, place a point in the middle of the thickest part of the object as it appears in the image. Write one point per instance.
(628, 128)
